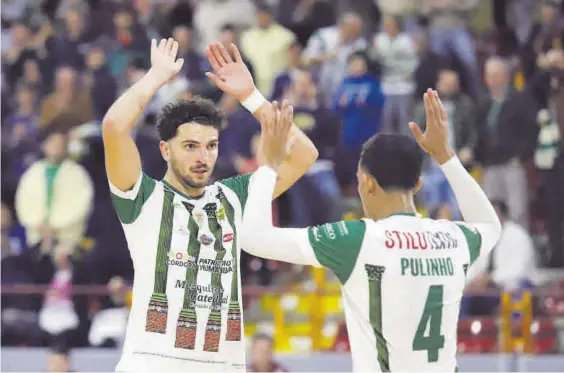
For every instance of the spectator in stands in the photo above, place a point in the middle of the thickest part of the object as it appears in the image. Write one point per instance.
(100, 82)
(54, 198)
(449, 32)
(128, 40)
(23, 122)
(395, 51)
(507, 134)
(461, 112)
(549, 156)
(329, 49)
(68, 45)
(17, 52)
(229, 35)
(547, 34)
(359, 100)
(150, 18)
(266, 47)
(430, 64)
(511, 266)
(261, 355)
(284, 79)
(211, 15)
(33, 76)
(67, 98)
(315, 198)
(19, 138)
(304, 17)
(194, 64)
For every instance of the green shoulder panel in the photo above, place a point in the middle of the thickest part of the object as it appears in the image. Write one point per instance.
(474, 240)
(240, 186)
(128, 210)
(337, 245)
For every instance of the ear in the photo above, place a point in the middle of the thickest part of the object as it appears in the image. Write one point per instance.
(370, 182)
(418, 185)
(164, 147)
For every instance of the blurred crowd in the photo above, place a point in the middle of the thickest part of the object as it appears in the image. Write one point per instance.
(351, 68)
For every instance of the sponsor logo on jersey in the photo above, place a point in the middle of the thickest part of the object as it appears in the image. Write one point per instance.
(220, 214)
(420, 240)
(205, 239)
(199, 217)
(228, 237)
(316, 235)
(330, 231)
(179, 259)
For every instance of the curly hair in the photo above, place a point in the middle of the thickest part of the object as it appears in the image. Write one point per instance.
(197, 109)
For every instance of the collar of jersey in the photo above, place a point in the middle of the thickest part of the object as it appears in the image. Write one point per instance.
(179, 192)
(414, 214)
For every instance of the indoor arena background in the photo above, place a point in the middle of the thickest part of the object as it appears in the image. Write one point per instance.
(498, 66)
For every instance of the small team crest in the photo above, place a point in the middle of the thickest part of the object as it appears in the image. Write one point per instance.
(205, 239)
(228, 237)
(220, 214)
(199, 217)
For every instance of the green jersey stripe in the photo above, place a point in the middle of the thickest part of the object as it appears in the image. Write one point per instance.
(194, 253)
(375, 274)
(165, 238)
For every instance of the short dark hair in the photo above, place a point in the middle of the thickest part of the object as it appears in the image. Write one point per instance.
(359, 54)
(394, 161)
(51, 130)
(197, 109)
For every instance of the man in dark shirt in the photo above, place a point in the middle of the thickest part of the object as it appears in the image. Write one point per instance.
(507, 134)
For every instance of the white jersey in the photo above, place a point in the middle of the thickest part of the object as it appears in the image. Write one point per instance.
(186, 313)
(402, 281)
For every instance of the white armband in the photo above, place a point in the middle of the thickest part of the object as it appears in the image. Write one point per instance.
(254, 101)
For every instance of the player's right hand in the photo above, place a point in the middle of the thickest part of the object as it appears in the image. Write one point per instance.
(275, 135)
(164, 64)
(435, 140)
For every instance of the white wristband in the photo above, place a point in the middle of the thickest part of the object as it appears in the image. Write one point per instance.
(254, 101)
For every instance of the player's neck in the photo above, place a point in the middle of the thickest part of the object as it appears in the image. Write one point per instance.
(394, 203)
(176, 184)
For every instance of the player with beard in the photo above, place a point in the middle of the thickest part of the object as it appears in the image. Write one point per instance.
(182, 234)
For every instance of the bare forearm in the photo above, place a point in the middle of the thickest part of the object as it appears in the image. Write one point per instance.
(123, 114)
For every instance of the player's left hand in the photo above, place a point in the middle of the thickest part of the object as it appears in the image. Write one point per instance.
(232, 77)
(275, 126)
(435, 140)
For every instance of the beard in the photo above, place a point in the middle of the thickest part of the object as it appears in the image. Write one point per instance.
(186, 180)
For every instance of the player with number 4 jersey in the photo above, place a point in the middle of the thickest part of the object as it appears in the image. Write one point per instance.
(402, 275)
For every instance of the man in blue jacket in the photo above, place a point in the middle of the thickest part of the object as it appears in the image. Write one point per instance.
(359, 101)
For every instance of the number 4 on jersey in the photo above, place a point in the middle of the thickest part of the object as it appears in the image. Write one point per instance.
(432, 316)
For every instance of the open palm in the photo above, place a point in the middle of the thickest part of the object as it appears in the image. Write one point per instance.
(232, 77)
(163, 59)
(435, 140)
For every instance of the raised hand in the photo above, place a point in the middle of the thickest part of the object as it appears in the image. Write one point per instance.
(164, 64)
(232, 77)
(276, 127)
(435, 140)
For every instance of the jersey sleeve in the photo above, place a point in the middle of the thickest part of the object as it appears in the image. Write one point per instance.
(337, 245)
(473, 239)
(128, 204)
(240, 186)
